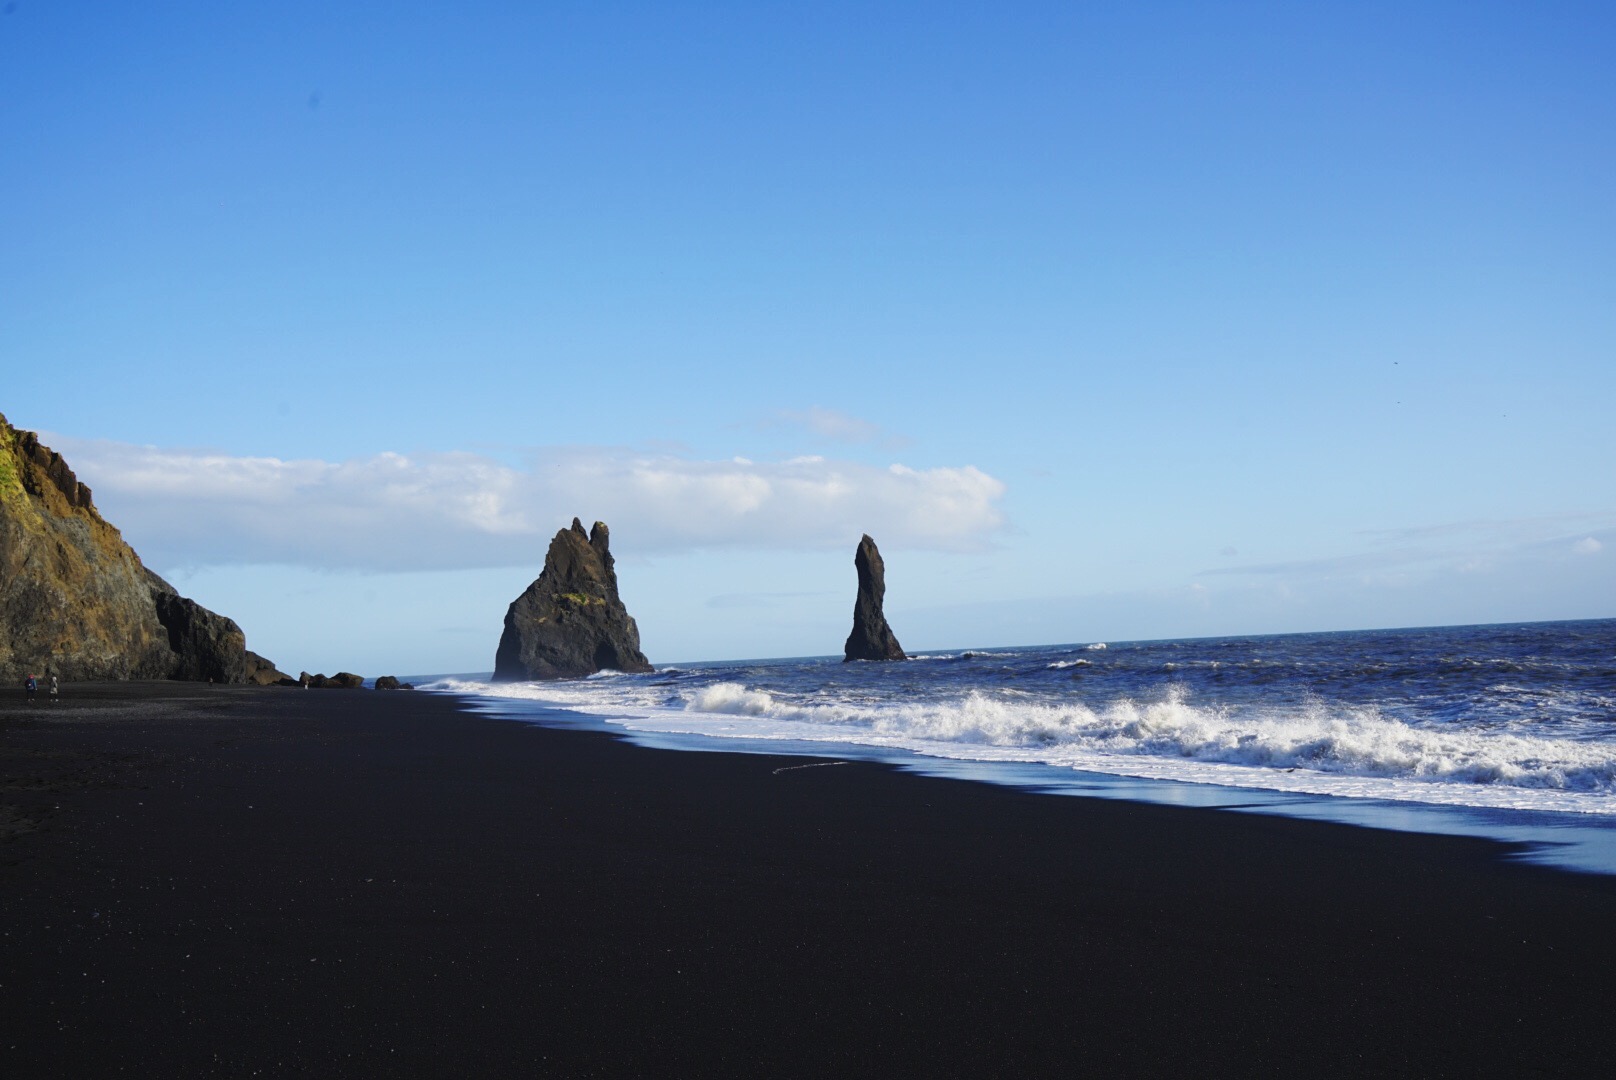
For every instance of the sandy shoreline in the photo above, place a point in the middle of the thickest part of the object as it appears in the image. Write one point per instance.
(217, 881)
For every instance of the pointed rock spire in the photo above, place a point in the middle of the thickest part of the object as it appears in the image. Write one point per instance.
(570, 622)
(872, 638)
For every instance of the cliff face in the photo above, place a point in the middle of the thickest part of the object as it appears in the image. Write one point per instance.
(75, 600)
(570, 622)
(872, 638)
(205, 645)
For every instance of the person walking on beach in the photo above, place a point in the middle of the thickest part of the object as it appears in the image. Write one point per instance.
(55, 691)
(31, 684)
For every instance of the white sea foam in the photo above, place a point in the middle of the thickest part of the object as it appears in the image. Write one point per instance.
(968, 654)
(1314, 748)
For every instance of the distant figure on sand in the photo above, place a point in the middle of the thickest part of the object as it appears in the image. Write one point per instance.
(55, 690)
(31, 684)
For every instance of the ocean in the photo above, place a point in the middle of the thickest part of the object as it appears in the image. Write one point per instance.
(1506, 731)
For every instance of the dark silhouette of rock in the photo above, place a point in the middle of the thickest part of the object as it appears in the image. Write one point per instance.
(570, 622)
(390, 682)
(206, 646)
(262, 671)
(75, 600)
(342, 680)
(872, 638)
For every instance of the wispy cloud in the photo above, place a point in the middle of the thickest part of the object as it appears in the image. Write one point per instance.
(1495, 530)
(1462, 546)
(436, 511)
(1334, 564)
(830, 425)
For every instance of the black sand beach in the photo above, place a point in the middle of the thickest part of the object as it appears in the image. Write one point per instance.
(213, 881)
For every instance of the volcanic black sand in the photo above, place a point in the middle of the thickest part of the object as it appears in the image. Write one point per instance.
(203, 881)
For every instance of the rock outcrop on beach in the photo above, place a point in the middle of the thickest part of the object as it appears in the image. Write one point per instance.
(261, 671)
(390, 682)
(206, 646)
(570, 622)
(872, 638)
(75, 600)
(342, 680)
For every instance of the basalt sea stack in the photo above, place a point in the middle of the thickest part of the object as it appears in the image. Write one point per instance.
(872, 638)
(570, 623)
(75, 600)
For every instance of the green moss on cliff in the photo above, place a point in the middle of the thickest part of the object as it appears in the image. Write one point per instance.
(579, 599)
(75, 599)
(10, 467)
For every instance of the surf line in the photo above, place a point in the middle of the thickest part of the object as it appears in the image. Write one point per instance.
(815, 765)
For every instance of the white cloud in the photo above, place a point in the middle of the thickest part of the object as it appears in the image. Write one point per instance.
(1587, 546)
(439, 511)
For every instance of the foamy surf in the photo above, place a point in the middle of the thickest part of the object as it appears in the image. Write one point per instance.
(1354, 756)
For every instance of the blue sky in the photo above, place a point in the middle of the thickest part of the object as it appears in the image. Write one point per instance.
(1174, 318)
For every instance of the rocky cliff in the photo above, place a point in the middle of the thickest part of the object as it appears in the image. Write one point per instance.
(872, 638)
(75, 600)
(570, 622)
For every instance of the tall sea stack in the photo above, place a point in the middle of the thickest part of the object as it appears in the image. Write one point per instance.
(570, 622)
(75, 600)
(872, 638)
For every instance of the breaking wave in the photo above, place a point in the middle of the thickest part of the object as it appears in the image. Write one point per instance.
(1515, 717)
(1317, 748)
(1353, 741)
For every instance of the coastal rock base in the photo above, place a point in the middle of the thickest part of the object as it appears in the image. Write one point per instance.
(75, 600)
(872, 638)
(570, 622)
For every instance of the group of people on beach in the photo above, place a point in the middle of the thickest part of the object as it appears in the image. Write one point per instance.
(31, 685)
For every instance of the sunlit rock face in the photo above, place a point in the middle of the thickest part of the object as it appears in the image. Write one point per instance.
(75, 600)
(570, 622)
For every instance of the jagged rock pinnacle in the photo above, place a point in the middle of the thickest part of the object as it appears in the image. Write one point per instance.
(872, 638)
(570, 622)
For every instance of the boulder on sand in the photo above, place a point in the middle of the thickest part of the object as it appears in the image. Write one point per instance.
(262, 671)
(342, 680)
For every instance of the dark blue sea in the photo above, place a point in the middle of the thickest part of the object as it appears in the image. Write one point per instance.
(1506, 730)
